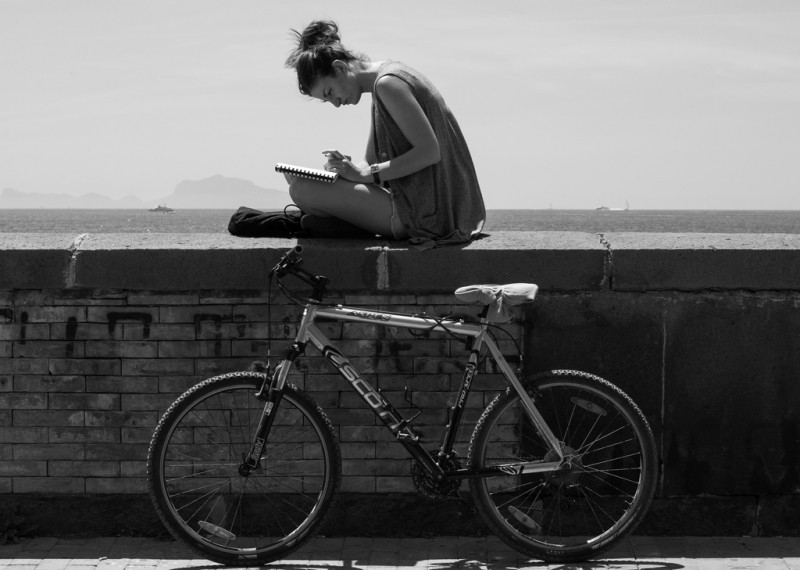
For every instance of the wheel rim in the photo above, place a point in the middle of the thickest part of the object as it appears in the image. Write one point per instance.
(593, 497)
(217, 506)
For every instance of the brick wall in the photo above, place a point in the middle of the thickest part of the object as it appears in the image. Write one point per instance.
(85, 375)
(99, 334)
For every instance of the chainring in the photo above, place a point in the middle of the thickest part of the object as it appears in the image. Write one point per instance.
(429, 487)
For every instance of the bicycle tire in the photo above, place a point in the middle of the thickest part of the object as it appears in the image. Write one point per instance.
(197, 489)
(565, 515)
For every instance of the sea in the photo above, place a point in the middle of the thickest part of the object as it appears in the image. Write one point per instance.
(79, 221)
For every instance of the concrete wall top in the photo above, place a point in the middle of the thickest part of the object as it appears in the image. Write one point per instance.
(556, 261)
(691, 262)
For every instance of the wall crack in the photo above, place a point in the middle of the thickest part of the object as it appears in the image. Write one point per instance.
(608, 263)
(383, 269)
(71, 276)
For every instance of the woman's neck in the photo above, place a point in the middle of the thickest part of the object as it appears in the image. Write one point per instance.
(367, 73)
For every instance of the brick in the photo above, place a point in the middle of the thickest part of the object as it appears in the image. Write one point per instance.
(131, 469)
(136, 435)
(250, 348)
(50, 383)
(193, 314)
(390, 450)
(49, 451)
(120, 419)
(23, 434)
(122, 385)
(351, 417)
(414, 382)
(6, 485)
(56, 485)
(359, 450)
(144, 402)
(83, 331)
(97, 367)
(23, 468)
(148, 299)
(438, 365)
(44, 314)
(23, 366)
(175, 384)
(6, 452)
(113, 451)
(365, 433)
(14, 401)
(159, 331)
(360, 467)
(43, 418)
(5, 418)
(83, 435)
(83, 469)
(6, 382)
(104, 485)
(216, 366)
(49, 349)
(149, 367)
(126, 349)
(6, 349)
(194, 349)
(85, 401)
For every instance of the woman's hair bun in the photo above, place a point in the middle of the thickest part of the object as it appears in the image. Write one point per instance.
(319, 33)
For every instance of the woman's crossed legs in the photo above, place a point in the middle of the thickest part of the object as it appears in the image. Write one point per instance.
(367, 206)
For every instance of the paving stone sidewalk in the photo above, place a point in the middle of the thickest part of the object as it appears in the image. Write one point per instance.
(634, 553)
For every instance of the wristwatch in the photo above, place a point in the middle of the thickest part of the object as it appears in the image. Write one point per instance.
(375, 169)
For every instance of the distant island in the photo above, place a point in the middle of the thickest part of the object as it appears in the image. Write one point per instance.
(214, 192)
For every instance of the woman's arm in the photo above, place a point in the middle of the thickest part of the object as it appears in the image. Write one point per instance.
(398, 99)
(396, 95)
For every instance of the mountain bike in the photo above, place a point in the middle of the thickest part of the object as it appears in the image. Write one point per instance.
(244, 467)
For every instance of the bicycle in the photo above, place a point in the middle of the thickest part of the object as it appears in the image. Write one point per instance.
(243, 467)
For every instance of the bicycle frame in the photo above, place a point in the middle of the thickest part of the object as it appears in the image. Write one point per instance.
(383, 409)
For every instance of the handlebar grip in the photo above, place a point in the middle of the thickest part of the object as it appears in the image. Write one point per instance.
(287, 261)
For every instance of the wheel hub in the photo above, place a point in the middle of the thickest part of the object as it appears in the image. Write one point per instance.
(570, 470)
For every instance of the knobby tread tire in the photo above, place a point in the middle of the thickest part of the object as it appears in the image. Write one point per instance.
(159, 439)
(645, 491)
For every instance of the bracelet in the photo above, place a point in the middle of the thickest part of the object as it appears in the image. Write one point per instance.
(375, 170)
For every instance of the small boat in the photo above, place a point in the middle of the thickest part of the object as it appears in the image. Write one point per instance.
(161, 208)
(607, 209)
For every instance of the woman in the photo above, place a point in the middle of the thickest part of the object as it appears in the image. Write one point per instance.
(418, 180)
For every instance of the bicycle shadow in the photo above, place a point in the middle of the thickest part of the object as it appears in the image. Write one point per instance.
(460, 564)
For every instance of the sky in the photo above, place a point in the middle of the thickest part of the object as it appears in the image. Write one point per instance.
(658, 104)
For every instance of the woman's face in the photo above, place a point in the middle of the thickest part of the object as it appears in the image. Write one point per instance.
(338, 89)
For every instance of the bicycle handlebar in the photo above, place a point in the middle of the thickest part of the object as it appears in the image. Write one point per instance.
(288, 261)
(289, 264)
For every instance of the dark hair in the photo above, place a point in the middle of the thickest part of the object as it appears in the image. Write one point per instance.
(318, 46)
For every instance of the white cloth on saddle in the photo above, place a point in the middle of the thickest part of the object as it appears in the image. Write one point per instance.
(499, 298)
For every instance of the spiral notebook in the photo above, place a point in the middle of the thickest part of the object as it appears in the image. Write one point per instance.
(310, 173)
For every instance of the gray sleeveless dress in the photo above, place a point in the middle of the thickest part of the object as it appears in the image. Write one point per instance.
(441, 204)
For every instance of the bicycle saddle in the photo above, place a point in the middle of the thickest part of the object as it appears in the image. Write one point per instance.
(498, 298)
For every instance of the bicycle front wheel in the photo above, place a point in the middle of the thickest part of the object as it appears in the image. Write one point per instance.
(601, 492)
(227, 514)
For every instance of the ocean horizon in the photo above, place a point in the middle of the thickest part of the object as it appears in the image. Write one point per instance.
(77, 221)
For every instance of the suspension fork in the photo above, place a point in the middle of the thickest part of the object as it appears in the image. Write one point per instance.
(271, 393)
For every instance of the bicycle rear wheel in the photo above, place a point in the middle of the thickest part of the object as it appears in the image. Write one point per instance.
(208, 504)
(601, 494)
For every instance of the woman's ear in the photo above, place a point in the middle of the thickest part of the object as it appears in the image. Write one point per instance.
(339, 66)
